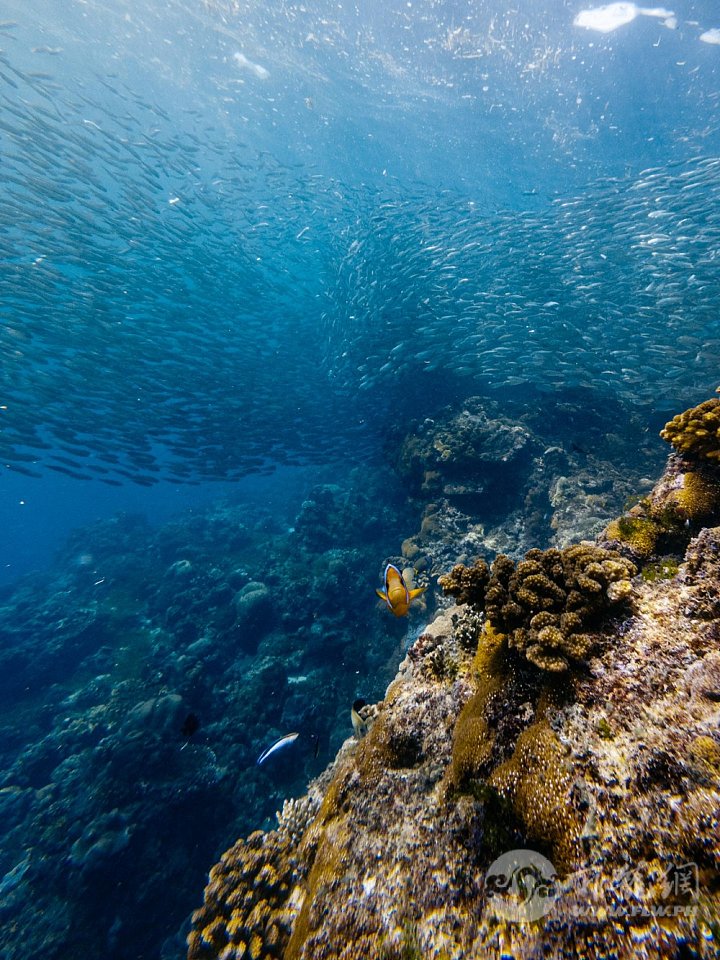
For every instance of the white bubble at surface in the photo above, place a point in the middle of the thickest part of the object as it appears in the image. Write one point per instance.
(610, 16)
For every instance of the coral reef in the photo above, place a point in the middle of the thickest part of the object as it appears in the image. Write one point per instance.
(230, 615)
(250, 621)
(685, 499)
(548, 602)
(695, 433)
(245, 911)
(612, 775)
(500, 478)
(465, 454)
(254, 614)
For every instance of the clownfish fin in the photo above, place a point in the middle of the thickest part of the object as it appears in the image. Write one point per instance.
(416, 592)
(382, 595)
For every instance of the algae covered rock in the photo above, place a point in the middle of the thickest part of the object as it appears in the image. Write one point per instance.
(466, 454)
(254, 613)
(101, 840)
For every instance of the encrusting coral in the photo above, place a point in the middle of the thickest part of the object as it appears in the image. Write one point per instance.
(537, 782)
(612, 772)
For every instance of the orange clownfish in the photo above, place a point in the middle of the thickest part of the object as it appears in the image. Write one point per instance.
(396, 594)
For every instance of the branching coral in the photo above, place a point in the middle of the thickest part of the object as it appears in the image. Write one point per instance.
(294, 818)
(467, 584)
(696, 432)
(559, 595)
(548, 602)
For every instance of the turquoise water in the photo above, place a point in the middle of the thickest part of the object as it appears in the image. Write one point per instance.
(246, 248)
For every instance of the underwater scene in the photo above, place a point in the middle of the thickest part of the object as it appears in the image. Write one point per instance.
(359, 480)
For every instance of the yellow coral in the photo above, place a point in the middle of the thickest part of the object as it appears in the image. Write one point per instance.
(699, 497)
(639, 533)
(246, 909)
(696, 432)
(235, 924)
(213, 929)
(473, 739)
(619, 591)
(706, 753)
(548, 652)
(537, 782)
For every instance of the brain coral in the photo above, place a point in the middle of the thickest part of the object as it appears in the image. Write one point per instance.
(696, 432)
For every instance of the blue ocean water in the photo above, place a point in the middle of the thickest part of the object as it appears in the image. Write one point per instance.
(245, 249)
(217, 221)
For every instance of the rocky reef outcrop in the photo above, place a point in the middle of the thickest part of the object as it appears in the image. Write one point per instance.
(497, 478)
(527, 788)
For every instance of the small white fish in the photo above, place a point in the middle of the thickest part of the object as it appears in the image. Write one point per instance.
(285, 741)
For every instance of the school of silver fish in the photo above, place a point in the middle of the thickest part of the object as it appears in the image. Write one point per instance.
(184, 307)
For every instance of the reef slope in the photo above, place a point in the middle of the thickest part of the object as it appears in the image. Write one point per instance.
(606, 763)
